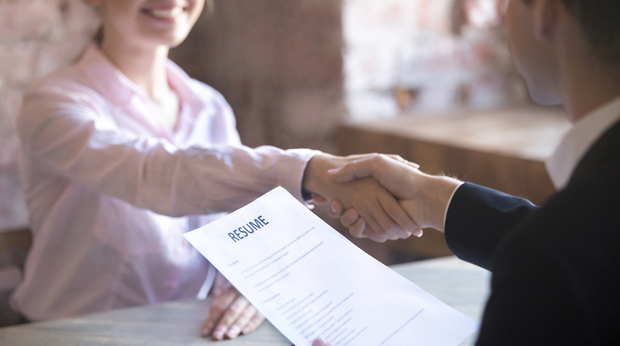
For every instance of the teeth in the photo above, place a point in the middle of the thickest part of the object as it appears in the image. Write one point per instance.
(166, 14)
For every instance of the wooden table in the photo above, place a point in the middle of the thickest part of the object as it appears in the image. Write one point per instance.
(459, 284)
(502, 149)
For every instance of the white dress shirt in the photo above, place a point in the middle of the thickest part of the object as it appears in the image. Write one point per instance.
(110, 189)
(579, 139)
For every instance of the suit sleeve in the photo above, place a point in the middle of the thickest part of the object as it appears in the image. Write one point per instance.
(538, 297)
(477, 220)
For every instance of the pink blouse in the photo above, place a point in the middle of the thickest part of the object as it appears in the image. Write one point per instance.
(111, 190)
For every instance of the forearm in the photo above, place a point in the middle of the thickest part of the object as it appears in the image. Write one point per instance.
(426, 198)
(149, 172)
(225, 178)
(479, 218)
(435, 195)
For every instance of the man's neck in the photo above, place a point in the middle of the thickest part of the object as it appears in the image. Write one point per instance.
(588, 86)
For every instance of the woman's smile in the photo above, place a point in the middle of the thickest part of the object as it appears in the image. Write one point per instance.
(167, 11)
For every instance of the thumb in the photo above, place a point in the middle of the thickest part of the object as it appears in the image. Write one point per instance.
(351, 171)
(320, 342)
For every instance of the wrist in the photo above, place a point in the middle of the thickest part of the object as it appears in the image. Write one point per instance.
(437, 193)
(315, 175)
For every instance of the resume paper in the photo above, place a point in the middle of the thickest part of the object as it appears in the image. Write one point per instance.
(309, 281)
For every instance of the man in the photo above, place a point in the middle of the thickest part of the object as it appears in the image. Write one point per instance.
(556, 276)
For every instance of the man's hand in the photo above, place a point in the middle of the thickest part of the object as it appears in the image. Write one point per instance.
(424, 197)
(380, 210)
(233, 315)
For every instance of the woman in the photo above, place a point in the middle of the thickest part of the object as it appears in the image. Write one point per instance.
(123, 153)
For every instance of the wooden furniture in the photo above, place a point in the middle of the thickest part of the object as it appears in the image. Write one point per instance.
(502, 149)
(459, 284)
(14, 246)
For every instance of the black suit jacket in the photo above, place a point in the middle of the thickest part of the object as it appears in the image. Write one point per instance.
(556, 268)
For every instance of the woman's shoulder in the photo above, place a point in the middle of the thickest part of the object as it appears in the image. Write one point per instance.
(65, 79)
(68, 87)
(66, 91)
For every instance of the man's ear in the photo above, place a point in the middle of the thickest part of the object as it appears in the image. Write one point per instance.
(547, 15)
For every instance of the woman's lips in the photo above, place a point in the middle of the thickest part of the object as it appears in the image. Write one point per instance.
(169, 13)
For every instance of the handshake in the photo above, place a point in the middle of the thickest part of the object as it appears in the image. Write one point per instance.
(378, 196)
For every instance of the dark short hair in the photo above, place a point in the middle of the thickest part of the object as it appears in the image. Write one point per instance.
(601, 25)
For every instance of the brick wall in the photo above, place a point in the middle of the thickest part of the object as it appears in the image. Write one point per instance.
(36, 37)
(278, 63)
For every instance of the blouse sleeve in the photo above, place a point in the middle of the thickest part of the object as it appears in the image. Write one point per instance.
(67, 136)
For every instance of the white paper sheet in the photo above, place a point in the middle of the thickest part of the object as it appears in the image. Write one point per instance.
(309, 281)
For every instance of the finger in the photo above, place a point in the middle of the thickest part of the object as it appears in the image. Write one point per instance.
(242, 321)
(400, 159)
(357, 229)
(318, 199)
(383, 223)
(221, 302)
(357, 169)
(375, 226)
(396, 212)
(254, 323)
(396, 157)
(230, 316)
(349, 217)
(335, 209)
(356, 157)
(413, 165)
(368, 233)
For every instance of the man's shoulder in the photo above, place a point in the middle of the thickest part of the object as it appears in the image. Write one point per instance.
(579, 227)
(586, 211)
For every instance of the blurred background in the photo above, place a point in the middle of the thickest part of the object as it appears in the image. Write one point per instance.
(294, 71)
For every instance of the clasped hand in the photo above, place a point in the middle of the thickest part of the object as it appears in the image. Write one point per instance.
(383, 217)
(414, 200)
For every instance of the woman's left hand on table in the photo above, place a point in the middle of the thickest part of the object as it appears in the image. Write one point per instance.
(231, 314)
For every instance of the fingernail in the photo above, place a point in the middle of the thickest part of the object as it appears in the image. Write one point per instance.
(418, 232)
(332, 209)
(246, 330)
(318, 342)
(206, 331)
(218, 334)
(233, 332)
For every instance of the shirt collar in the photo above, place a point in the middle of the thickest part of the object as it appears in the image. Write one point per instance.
(110, 82)
(578, 140)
